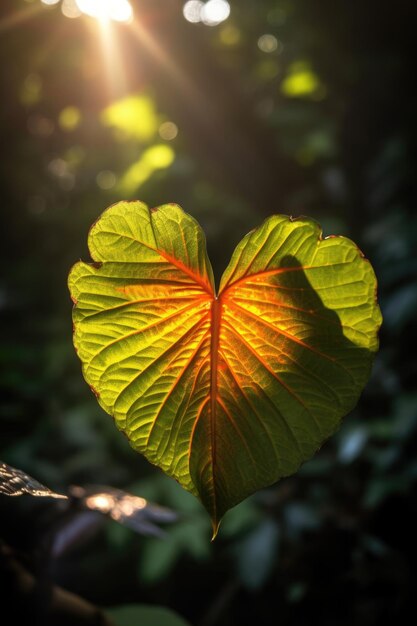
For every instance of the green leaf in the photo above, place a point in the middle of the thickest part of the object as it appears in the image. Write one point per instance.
(145, 615)
(226, 393)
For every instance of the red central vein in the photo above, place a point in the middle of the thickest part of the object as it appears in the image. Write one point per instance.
(216, 314)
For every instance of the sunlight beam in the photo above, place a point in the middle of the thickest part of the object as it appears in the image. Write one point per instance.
(145, 39)
(112, 58)
(105, 10)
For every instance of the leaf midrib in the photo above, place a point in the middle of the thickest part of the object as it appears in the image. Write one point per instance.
(216, 317)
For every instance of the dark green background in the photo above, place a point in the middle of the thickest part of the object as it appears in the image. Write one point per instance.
(334, 544)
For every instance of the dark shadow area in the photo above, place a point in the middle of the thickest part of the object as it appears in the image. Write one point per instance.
(338, 368)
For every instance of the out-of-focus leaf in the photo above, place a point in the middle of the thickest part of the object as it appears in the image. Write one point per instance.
(316, 467)
(374, 545)
(399, 425)
(75, 529)
(145, 615)
(405, 410)
(241, 518)
(125, 508)
(158, 558)
(401, 306)
(296, 592)
(381, 487)
(300, 517)
(227, 393)
(14, 482)
(352, 444)
(188, 537)
(258, 553)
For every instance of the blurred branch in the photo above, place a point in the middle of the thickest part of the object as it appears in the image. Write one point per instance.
(44, 604)
(15, 482)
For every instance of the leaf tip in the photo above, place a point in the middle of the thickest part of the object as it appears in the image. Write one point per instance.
(215, 524)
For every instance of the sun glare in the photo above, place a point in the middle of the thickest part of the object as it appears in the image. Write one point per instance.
(117, 10)
(214, 12)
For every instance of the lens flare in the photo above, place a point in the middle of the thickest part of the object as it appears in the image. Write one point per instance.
(214, 12)
(116, 10)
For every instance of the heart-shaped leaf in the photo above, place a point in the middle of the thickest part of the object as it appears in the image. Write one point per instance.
(226, 393)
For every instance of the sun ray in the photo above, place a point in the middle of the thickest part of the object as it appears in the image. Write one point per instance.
(20, 17)
(112, 57)
(145, 39)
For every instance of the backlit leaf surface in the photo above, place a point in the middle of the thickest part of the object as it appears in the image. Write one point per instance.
(226, 393)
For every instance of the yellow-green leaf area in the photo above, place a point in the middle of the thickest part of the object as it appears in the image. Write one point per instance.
(225, 392)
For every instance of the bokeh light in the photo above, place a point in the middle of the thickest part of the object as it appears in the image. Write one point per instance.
(230, 35)
(214, 12)
(211, 13)
(268, 43)
(192, 11)
(69, 118)
(168, 131)
(106, 179)
(70, 9)
(133, 117)
(157, 157)
(302, 82)
(49, 2)
(61, 171)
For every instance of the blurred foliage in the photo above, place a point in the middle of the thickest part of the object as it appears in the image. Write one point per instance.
(317, 120)
(142, 614)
